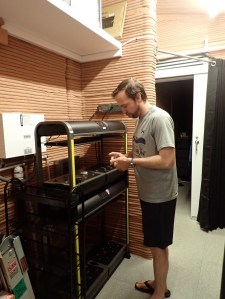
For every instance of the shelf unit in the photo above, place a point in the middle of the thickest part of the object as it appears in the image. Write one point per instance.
(58, 27)
(67, 222)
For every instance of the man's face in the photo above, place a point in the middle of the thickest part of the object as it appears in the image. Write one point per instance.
(129, 106)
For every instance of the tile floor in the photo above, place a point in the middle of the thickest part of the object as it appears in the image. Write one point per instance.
(195, 261)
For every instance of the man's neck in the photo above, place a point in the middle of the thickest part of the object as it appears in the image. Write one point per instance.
(144, 108)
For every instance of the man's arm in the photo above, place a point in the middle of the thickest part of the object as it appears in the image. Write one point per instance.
(164, 160)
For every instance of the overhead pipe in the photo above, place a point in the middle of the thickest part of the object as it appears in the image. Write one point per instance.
(213, 62)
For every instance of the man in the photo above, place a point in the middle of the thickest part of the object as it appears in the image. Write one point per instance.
(153, 159)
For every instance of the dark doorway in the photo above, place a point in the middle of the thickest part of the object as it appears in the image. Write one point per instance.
(176, 97)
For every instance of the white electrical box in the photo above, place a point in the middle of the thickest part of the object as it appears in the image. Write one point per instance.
(17, 134)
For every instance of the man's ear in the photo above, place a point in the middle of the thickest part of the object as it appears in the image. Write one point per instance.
(138, 97)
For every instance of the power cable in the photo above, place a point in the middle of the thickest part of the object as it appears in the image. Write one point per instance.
(20, 183)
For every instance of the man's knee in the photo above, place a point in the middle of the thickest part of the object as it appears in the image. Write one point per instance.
(156, 251)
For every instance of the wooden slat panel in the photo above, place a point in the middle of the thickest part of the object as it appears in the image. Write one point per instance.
(73, 87)
(182, 7)
(37, 81)
(138, 61)
(30, 79)
(33, 80)
(187, 33)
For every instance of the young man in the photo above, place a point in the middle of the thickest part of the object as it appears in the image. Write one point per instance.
(153, 159)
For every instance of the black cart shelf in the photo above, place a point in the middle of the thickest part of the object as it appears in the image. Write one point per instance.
(69, 221)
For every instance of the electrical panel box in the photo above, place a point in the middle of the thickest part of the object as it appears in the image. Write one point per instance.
(17, 136)
(109, 108)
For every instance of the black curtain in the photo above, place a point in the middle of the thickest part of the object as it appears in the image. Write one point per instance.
(211, 213)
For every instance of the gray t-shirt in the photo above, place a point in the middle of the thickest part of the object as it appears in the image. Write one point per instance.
(154, 131)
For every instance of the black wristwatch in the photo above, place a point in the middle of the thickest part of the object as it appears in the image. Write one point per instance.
(132, 164)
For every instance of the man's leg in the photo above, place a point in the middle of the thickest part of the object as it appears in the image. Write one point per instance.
(161, 267)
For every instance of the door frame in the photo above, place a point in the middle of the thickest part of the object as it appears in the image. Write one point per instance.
(183, 70)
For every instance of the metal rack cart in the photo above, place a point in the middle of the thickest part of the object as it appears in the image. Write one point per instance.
(71, 240)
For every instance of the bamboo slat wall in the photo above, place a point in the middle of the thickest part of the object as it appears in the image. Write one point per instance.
(189, 33)
(33, 80)
(30, 79)
(139, 60)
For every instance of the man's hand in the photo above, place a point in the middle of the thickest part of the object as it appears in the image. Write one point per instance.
(119, 161)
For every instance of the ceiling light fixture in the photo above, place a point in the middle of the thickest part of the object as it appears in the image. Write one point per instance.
(213, 7)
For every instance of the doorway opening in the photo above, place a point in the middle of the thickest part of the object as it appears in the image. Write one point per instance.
(185, 81)
(176, 97)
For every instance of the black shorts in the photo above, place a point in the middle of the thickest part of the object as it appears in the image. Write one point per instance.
(158, 223)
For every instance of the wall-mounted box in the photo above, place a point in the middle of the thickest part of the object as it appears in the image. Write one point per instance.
(17, 134)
